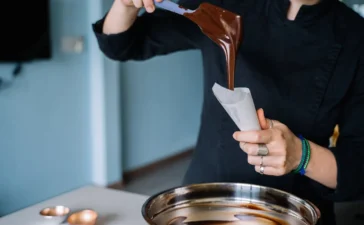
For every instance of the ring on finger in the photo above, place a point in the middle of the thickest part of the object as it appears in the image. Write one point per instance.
(262, 150)
(261, 170)
(261, 161)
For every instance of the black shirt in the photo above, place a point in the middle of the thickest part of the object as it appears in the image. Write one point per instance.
(307, 73)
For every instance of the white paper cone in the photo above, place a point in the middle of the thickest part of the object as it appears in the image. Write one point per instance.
(239, 105)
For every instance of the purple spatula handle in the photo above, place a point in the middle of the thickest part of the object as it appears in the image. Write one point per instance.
(171, 6)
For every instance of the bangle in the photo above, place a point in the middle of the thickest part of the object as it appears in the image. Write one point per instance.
(304, 152)
(306, 155)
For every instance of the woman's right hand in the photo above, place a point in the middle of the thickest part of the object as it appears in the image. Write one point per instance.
(147, 4)
(123, 14)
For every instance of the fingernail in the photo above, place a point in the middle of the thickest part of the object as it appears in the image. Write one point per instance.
(150, 8)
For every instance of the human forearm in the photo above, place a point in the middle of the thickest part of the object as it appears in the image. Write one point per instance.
(120, 18)
(322, 166)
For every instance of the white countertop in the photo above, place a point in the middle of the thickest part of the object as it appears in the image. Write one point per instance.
(113, 207)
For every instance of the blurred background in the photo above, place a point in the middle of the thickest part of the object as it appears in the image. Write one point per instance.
(73, 117)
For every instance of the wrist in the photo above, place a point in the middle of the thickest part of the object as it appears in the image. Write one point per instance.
(122, 9)
(119, 18)
(298, 153)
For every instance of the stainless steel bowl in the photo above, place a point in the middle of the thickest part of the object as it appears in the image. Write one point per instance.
(228, 203)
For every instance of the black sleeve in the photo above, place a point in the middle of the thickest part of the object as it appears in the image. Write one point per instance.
(152, 34)
(349, 151)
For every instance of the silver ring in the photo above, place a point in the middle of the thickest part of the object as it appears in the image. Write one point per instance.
(262, 150)
(261, 161)
(261, 170)
(271, 124)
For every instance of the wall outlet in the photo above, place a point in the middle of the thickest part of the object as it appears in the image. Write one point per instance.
(72, 44)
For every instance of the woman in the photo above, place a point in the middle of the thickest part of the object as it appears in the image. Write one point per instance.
(303, 61)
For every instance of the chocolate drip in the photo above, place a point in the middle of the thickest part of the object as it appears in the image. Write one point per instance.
(222, 27)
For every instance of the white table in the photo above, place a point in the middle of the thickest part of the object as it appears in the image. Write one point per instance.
(113, 207)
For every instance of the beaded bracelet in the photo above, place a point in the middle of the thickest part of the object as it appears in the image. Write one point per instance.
(306, 155)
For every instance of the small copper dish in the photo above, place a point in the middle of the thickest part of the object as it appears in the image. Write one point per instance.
(56, 214)
(84, 217)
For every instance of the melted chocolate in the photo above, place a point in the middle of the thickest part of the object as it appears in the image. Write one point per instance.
(222, 27)
(238, 219)
(243, 219)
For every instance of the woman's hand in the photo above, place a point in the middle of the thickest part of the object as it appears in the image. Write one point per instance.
(147, 4)
(123, 14)
(285, 149)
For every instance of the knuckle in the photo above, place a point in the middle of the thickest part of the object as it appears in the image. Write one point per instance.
(280, 172)
(271, 135)
(242, 145)
(250, 160)
(128, 2)
(283, 163)
(284, 146)
(257, 137)
(253, 150)
(138, 3)
(249, 150)
(283, 151)
(148, 3)
(280, 134)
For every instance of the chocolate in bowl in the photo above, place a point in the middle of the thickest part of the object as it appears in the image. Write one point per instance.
(228, 203)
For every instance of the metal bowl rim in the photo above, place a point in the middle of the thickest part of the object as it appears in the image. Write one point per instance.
(152, 197)
(53, 207)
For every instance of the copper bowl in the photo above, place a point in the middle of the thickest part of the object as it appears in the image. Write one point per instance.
(84, 217)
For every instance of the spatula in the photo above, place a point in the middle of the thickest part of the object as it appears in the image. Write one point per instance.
(221, 26)
(173, 7)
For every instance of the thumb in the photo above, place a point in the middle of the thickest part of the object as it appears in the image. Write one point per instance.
(264, 123)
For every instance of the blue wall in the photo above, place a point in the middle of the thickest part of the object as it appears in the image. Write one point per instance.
(161, 103)
(112, 111)
(44, 119)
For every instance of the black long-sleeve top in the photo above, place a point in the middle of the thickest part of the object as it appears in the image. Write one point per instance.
(307, 73)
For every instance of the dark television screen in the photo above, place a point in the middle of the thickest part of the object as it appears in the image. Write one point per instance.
(25, 30)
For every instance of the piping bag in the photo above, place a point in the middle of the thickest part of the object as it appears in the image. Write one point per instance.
(237, 102)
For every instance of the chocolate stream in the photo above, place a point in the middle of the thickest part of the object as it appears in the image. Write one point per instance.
(224, 28)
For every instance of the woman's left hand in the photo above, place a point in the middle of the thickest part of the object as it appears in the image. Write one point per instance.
(285, 149)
